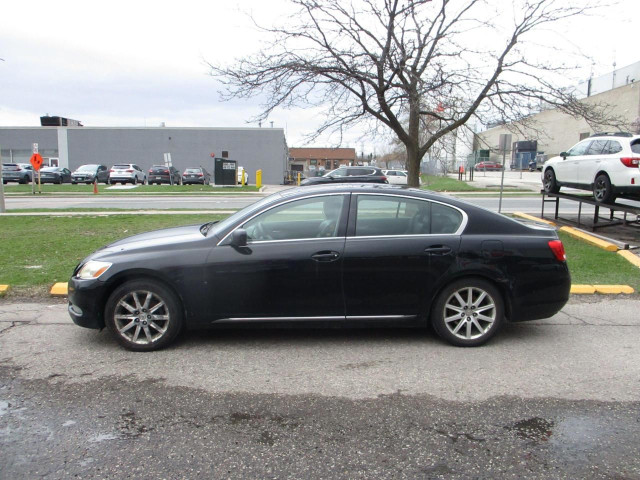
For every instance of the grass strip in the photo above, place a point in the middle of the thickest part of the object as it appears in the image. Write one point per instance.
(593, 266)
(438, 183)
(154, 189)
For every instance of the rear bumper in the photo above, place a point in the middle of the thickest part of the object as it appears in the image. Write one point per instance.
(540, 294)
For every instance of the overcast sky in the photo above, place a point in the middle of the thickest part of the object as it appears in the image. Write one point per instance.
(137, 63)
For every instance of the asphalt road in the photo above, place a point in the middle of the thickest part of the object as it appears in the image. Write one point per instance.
(528, 204)
(548, 399)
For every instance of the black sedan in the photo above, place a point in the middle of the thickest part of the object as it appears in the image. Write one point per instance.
(196, 175)
(349, 175)
(341, 252)
(55, 175)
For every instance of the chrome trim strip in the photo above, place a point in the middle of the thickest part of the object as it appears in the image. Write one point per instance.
(384, 317)
(350, 317)
(277, 205)
(294, 240)
(420, 235)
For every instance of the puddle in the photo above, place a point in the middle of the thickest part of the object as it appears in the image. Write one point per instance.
(535, 428)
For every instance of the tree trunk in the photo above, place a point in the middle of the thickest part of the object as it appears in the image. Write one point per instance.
(413, 165)
(413, 144)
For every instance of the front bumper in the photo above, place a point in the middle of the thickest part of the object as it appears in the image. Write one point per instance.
(86, 302)
(83, 178)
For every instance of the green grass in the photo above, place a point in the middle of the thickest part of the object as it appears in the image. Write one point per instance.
(118, 210)
(55, 245)
(154, 189)
(592, 265)
(438, 183)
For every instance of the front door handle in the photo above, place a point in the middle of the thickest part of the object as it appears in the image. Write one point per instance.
(438, 250)
(325, 256)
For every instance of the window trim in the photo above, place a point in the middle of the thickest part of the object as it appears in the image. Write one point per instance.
(353, 210)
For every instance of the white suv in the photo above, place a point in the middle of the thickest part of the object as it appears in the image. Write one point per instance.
(606, 163)
(126, 173)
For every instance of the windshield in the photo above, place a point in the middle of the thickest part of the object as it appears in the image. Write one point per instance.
(192, 170)
(87, 168)
(230, 220)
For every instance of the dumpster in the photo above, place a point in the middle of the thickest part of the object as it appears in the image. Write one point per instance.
(225, 171)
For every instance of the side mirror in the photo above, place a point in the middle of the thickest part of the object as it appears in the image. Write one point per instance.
(563, 155)
(239, 238)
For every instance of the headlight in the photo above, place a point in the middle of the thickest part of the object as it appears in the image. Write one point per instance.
(93, 269)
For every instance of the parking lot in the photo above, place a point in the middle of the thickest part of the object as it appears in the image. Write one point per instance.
(554, 399)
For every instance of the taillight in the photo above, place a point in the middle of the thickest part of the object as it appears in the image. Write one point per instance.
(111, 170)
(129, 171)
(558, 250)
(201, 174)
(630, 162)
(384, 179)
(165, 171)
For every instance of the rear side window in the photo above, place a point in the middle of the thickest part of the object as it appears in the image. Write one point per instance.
(612, 147)
(444, 219)
(383, 215)
(635, 146)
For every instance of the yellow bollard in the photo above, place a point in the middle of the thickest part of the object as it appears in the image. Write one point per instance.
(298, 178)
(259, 178)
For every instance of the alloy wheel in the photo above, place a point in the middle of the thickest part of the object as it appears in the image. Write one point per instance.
(141, 317)
(469, 313)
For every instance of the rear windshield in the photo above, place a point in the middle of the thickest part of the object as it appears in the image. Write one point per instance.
(158, 167)
(122, 166)
(10, 166)
(192, 170)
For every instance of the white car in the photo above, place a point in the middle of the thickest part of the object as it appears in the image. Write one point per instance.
(606, 163)
(398, 177)
(126, 173)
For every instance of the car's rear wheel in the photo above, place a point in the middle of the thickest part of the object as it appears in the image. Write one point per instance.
(143, 315)
(468, 312)
(603, 190)
(549, 182)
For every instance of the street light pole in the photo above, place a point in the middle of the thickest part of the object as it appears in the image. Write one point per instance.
(2, 209)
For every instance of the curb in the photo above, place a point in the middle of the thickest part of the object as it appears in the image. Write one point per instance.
(532, 218)
(597, 242)
(602, 289)
(630, 257)
(60, 289)
(3, 290)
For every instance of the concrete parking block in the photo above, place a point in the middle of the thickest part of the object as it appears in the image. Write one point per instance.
(59, 289)
(598, 242)
(534, 219)
(613, 289)
(629, 256)
(3, 290)
(583, 289)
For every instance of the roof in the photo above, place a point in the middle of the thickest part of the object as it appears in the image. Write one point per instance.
(323, 153)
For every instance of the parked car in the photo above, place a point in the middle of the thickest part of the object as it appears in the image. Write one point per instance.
(126, 173)
(17, 172)
(90, 173)
(396, 177)
(196, 175)
(373, 251)
(242, 172)
(55, 175)
(608, 164)
(161, 174)
(350, 175)
(488, 166)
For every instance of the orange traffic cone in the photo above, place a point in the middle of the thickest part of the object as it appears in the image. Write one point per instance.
(95, 187)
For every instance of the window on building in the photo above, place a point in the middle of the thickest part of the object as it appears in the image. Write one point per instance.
(584, 135)
(225, 154)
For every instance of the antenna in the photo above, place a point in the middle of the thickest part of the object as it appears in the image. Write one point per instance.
(271, 122)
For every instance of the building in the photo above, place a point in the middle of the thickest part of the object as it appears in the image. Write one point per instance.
(312, 161)
(72, 146)
(556, 132)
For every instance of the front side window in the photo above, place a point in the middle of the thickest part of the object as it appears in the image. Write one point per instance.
(579, 149)
(315, 217)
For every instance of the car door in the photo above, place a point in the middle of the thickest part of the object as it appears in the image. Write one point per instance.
(396, 252)
(567, 168)
(291, 267)
(589, 163)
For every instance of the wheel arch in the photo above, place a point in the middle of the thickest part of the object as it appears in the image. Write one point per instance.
(502, 286)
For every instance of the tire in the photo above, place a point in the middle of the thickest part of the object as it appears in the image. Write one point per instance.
(452, 306)
(111, 182)
(59, 182)
(549, 181)
(135, 180)
(163, 322)
(602, 189)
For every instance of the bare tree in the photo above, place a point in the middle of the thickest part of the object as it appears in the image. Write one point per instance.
(407, 64)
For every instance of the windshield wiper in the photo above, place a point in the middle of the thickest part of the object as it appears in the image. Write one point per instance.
(204, 229)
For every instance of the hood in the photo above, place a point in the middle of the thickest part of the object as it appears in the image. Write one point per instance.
(157, 238)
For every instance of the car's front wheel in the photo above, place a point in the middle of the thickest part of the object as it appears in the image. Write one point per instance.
(143, 315)
(468, 312)
(549, 182)
(603, 190)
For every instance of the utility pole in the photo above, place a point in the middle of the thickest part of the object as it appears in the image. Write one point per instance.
(2, 209)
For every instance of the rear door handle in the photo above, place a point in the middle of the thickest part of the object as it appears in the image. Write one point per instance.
(325, 256)
(438, 250)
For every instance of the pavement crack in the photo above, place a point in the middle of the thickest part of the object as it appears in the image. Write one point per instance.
(6, 329)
